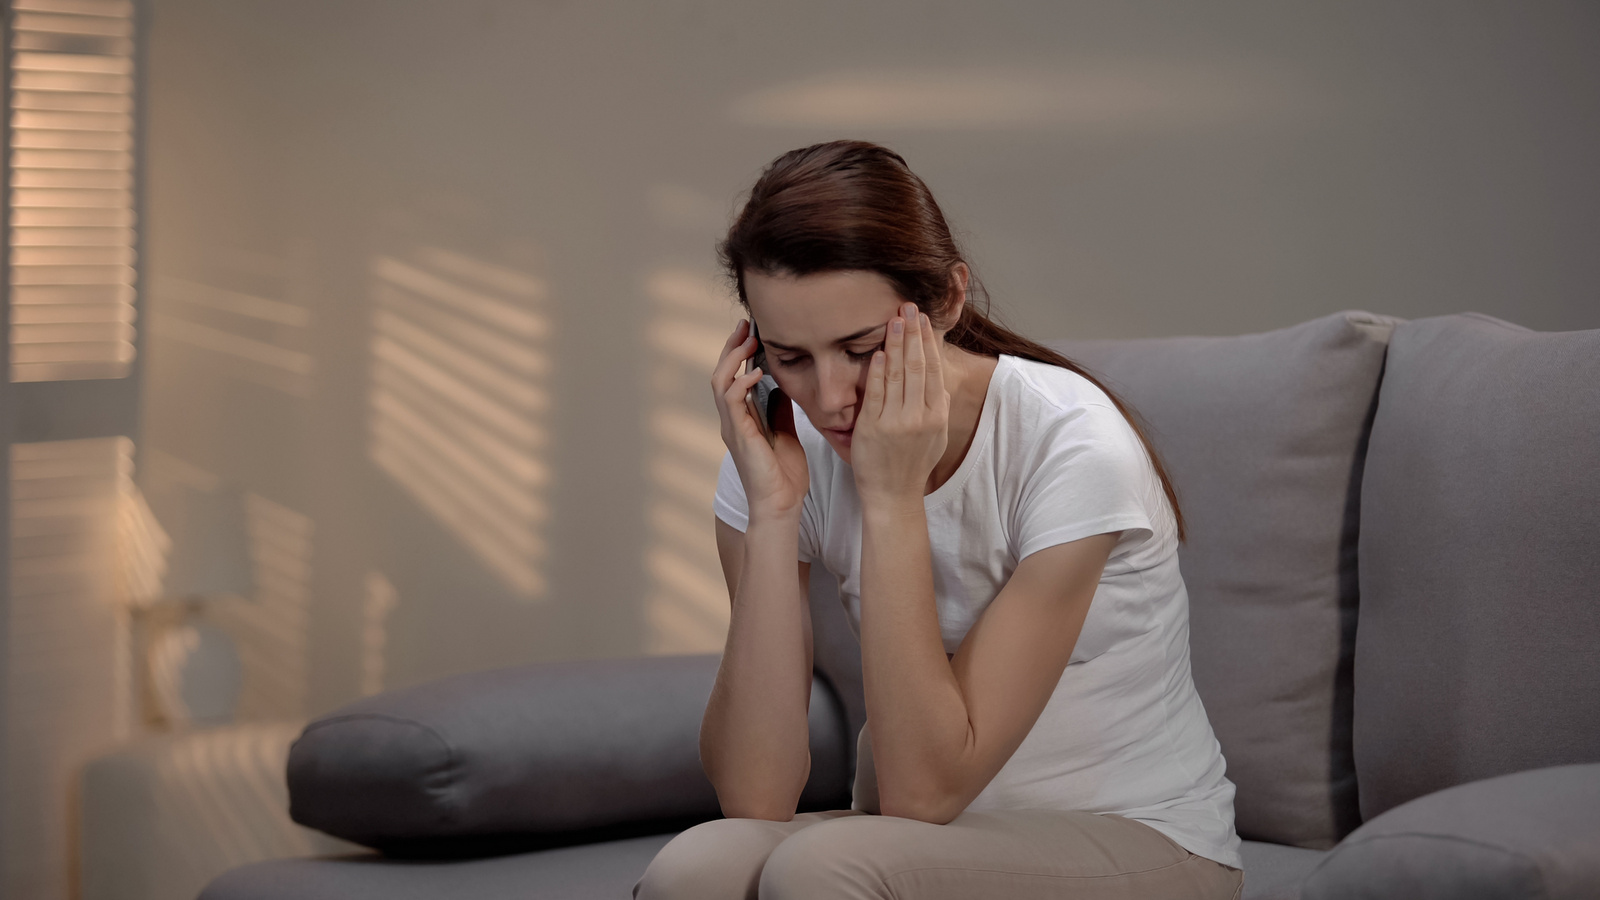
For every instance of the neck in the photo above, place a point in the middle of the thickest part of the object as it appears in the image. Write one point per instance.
(967, 379)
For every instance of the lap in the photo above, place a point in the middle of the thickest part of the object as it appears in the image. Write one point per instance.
(1016, 853)
(1030, 853)
(722, 858)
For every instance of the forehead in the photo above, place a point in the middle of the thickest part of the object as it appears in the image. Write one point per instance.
(816, 310)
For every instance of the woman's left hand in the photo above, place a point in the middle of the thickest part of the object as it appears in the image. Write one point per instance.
(903, 427)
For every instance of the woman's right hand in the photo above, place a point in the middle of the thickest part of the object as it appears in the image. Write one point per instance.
(774, 475)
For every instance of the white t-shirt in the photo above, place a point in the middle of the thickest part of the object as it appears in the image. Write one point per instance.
(1053, 461)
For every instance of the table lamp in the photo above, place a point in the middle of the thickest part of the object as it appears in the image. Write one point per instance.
(189, 669)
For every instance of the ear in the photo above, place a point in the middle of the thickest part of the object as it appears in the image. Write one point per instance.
(960, 278)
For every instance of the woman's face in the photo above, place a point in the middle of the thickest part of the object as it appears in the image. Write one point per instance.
(819, 332)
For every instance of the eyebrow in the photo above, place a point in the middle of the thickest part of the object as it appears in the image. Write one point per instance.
(844, 340)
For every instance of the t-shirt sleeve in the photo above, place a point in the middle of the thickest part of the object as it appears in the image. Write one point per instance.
(731, 506)
(1088, 474)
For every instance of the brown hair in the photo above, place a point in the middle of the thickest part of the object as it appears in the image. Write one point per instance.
(857, 206)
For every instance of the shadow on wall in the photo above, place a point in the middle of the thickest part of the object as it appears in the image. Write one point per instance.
(691, 311)
(241, 335)
(459, 398)
(686, 610)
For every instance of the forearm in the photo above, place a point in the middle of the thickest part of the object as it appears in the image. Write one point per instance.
(921, 733)
(754, 740)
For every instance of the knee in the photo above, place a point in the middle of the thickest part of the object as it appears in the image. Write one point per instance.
(716, 860)
(832, 859)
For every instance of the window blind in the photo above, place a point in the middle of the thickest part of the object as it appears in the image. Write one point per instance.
(72, 189)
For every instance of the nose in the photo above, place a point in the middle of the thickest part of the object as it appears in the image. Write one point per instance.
(838, 390)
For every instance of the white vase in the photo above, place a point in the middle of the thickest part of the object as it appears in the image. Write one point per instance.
(196, 674)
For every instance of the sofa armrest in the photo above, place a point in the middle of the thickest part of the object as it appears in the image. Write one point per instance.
(1529, 834)
(165, 814)
(472, 761)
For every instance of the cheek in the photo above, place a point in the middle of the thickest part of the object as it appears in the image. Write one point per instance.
(862, 368)
(796, 387)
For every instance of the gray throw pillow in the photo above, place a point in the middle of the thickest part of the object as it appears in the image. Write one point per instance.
(479, 763)
(1263, 436)
(1528, 836)
(1479, 647)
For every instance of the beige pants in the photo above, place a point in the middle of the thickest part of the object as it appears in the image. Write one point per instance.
(1024, 854)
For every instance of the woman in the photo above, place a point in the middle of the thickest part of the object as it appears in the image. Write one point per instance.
(980, 499)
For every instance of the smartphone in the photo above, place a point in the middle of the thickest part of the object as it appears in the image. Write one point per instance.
(766, 397)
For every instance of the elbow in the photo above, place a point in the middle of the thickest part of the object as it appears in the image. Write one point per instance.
(769, 812)
(933, 806)
(925, 793)
(754, 801)
(749, 795)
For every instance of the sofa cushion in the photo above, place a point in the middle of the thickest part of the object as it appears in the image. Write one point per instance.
(1531, 834)
(1480, 559)
(475, 763)
(1276, 871)
(1263, 436)
(605, 870)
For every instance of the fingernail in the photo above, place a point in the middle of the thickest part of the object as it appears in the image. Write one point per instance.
(896, 327)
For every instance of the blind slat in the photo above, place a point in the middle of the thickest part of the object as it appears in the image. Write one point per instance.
(72, 240)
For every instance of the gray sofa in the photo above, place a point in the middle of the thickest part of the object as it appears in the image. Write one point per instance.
(1394, 572)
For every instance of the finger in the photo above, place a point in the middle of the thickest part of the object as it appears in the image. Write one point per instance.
(741, 385)
(736, 401)
(722, 378)
(894, 365)
(914, 352)
(728, 367)
(727, 374)
(935, 362)
(741, 345)
(741, 330)
(872, 398)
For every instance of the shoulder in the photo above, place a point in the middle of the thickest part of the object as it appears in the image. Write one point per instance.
(1050, 403)
(1075, 461)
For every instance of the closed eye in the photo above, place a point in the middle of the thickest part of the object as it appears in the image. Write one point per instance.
(797, 360)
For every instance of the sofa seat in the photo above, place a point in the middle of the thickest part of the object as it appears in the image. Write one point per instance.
(583, 872)
(1275, 871)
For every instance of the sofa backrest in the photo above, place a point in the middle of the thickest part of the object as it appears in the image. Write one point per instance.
(1263, 435)
(1479, 647)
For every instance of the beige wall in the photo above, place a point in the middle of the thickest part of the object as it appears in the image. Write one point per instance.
(431, 282)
